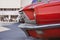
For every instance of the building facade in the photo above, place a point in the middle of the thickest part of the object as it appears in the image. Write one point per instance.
(9, 11)
(9, 15)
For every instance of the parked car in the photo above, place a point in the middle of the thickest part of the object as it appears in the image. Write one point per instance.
(42, 21)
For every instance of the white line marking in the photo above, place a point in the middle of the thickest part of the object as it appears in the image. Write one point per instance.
(3, 29)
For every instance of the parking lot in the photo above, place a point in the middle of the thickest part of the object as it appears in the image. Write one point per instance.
(12, 32)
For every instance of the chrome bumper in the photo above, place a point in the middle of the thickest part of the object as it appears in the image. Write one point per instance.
(33, 26)
(26, 26)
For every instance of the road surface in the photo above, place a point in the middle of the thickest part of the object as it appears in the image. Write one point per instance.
(12, 32)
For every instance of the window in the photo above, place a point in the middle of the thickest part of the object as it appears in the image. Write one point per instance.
(13, 18)
(8, 18)
(4, 18)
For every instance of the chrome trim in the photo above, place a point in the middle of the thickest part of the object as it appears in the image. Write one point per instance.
(33, 26)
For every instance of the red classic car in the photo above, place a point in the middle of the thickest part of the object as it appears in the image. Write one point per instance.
(42, 20)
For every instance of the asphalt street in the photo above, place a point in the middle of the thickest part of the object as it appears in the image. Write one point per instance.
(12, 32)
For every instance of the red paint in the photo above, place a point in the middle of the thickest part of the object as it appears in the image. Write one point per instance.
(48, 18)
(52, 33)
(48, 14)
(29, 14)
(45, 14)
(33, 33)
(47, 33)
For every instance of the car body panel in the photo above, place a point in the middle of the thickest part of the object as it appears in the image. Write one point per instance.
(47, 17)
